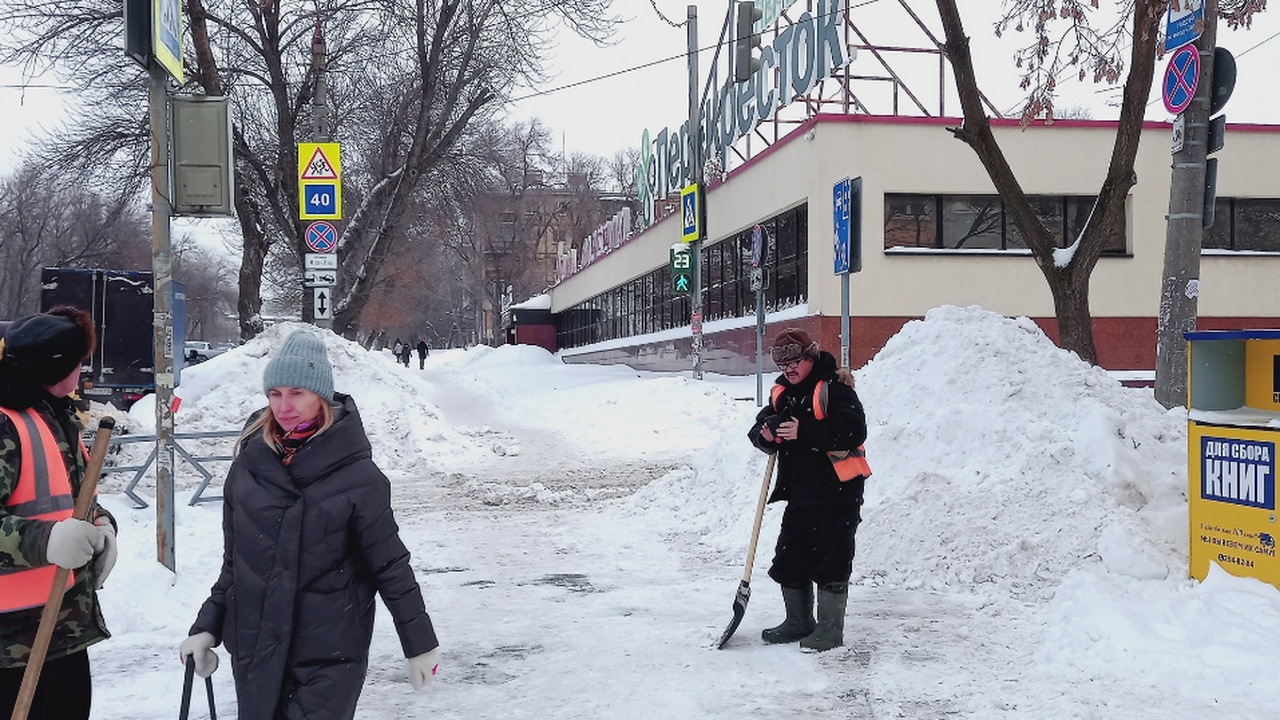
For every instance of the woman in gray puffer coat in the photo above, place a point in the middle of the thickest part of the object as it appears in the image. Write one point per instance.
(309, 537)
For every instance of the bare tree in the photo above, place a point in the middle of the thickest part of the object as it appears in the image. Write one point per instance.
(210, 290)
(406, 82)
(47, 223)
(1065, 42)
(622, 172)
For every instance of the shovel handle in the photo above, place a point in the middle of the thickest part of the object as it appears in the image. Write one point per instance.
(755, 533)
(49, 616)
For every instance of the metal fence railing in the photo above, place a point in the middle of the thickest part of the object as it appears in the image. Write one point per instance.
(195, 461)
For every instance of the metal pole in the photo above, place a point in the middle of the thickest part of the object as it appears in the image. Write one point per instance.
(320, 132)
(1180, 289)
(760, 347)
(695, 159)
(162, 312)
(844, 320)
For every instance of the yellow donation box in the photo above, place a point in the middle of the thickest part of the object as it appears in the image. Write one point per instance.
(1233, 429)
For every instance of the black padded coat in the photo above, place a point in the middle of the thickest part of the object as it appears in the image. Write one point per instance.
(805, 474)
(305, 547)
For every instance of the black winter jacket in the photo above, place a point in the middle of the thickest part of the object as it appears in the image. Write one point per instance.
(305, 548)
(805, 474)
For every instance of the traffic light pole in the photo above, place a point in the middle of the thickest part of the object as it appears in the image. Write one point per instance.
(162, 311)
(695, 159)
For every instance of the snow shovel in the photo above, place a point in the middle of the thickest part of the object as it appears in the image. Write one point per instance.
(744, 588)
(49, 616)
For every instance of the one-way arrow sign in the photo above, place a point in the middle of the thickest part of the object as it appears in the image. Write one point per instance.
(323, 304)
(319, 278)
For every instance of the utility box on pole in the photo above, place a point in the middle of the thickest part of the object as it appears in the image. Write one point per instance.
(203, 177)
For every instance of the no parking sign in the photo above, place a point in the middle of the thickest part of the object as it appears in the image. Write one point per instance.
(1180, 79)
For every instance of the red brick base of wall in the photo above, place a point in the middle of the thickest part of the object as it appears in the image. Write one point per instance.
(1123, 343)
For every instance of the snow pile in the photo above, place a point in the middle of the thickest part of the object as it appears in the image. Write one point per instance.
(1000, 461)
(408, 433)
(1023, 553)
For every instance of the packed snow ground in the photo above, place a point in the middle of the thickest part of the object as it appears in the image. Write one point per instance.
(579, 533)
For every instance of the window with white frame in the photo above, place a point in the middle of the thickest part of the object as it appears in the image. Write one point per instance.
(980, 222)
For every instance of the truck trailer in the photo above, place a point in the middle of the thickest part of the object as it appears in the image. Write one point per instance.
(122, 367)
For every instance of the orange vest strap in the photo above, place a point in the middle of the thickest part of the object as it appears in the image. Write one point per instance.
(848, 464)
(43, 493)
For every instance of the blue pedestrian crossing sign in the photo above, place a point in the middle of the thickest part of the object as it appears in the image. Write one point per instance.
(690, 214)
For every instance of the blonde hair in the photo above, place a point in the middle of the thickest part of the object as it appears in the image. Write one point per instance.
(267, 425)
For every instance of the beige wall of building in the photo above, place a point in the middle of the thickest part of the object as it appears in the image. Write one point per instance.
(914, 155)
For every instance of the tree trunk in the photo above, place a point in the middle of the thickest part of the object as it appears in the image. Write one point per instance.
(1070, 289)
(1068, 284)
(253, 254)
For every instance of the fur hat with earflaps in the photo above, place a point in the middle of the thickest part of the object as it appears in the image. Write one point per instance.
(793, 344)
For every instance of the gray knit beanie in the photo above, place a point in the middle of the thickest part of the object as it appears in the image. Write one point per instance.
(303, 363)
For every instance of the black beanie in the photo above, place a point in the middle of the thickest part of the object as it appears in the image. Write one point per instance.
(43, 349)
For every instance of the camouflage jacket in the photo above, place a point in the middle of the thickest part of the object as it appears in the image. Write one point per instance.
(23, 542)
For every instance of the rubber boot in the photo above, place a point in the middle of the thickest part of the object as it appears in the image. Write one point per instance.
(799, 622)
(832, 599)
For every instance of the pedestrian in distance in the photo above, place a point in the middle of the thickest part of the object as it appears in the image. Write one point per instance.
(406, 354)
(816, 424)
(397, 349)
(423, 350)
(309, 538)
(42, 465)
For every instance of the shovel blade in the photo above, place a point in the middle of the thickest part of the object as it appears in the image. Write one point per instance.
(739, 609)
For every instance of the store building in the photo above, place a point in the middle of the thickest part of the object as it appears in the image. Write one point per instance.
(933, 233)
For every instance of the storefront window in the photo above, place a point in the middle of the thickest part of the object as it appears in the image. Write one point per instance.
(1244, 225)
(980, 222)
(648, 304)
(972, 222)
(1257, 225)
(910, 221)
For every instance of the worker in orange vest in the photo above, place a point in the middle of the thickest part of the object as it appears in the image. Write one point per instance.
(816, 424)
(42, 463)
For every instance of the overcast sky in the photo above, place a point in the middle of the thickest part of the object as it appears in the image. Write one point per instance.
(609, 114)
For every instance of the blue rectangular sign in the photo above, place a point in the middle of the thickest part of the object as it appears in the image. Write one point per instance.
(1238, 471)
(319, 200)
(840, 211)
(1184, 26)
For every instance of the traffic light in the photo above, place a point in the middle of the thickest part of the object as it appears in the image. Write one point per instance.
(747, 40)
(681, 269)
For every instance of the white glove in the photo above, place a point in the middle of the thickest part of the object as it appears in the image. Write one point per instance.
(200, 646)
(73, 543)
(104, 561)
(422, 668)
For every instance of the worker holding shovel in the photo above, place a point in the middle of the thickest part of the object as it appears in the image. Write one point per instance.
(42, 467)
(816, 425)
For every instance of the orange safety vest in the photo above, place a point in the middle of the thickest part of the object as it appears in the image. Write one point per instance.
(848, 464)
(43, 493)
